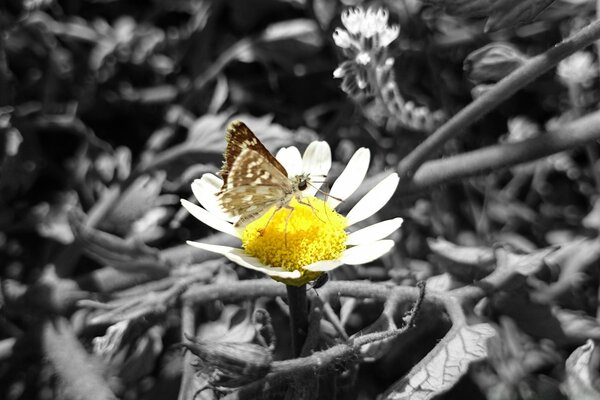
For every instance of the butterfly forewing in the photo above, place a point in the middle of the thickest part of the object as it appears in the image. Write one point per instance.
(253, 186)
(239, 137)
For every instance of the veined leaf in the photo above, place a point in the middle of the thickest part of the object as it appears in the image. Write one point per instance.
(445, 364)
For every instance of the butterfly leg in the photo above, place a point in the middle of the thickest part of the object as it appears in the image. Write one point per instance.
(286, 223)
(269, 221)
(312, 208)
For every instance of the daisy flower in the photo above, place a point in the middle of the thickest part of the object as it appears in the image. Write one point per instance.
(297, 246)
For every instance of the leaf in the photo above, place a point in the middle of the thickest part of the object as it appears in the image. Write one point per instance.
(514, 13)
(443, 367)
(108, 249)
(592, 220)
(576, 325)
(463, 262)
(469, 255)
(535, 319)
(134, 202)
(233, 325)
(581, 373)
(465, 8)
(523, 264)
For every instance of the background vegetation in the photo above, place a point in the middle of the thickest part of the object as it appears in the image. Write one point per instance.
(109, 109)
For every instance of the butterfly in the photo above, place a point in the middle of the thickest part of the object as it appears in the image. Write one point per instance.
(253, 179)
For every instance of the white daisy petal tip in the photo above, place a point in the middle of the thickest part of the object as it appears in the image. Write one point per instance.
(375, 232)
(210, 180)
(374, 200)
(351, 177)
(214, 248)
(365, 253)
(317, 159)
(205, 190)
(209, 218)
(291, 160)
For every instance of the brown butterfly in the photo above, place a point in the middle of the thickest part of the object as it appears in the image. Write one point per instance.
(253, 179)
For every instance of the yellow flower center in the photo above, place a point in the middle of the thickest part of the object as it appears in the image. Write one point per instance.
(292, 239)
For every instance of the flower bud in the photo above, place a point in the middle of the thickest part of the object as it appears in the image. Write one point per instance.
(493, 62)
(230, 365)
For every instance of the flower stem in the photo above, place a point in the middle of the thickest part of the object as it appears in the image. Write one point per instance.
(298, 316)
(576, 133)
(501, 91)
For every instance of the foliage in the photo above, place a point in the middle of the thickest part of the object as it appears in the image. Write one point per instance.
(487, 110)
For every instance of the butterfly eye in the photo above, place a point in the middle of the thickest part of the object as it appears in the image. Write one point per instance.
(302, 184)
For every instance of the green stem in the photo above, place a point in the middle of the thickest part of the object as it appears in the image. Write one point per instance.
(298, 316)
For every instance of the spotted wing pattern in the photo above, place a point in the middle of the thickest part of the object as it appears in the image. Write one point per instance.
(253, 186)
(239, 137)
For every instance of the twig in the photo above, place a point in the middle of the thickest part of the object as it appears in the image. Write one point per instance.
(501, 91)
(570, 135)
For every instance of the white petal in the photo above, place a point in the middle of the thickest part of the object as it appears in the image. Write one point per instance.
(205, 190)
(323, 266)
(351, 178)
(374, 232)
(374, 200)
(316, 162)
(317, 158)
(215, 248)
(366, 252)
(291, 160)
(239, 257)
(209, 219)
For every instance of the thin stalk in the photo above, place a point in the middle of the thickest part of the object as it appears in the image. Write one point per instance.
(575, 94)
(573, 134)
(501, 91)
(296, 296)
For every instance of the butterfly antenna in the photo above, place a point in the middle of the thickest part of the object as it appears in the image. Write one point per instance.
(327, 195)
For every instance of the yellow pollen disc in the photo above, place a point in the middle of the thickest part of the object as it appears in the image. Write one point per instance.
(313, 232)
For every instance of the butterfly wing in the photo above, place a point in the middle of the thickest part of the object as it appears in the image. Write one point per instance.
(253, 186)
(239, 138)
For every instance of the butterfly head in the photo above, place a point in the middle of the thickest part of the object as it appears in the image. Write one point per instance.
(300, 182)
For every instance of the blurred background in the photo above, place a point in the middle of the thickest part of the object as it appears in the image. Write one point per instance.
(109, 109)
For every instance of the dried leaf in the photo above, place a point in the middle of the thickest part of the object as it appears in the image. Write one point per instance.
(582, 373)
(445, 365)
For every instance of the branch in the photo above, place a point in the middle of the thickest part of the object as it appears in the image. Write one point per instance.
(573, 134)
(501, 91)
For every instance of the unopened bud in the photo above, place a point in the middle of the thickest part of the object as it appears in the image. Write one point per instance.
(231, 365)
(493, 62)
